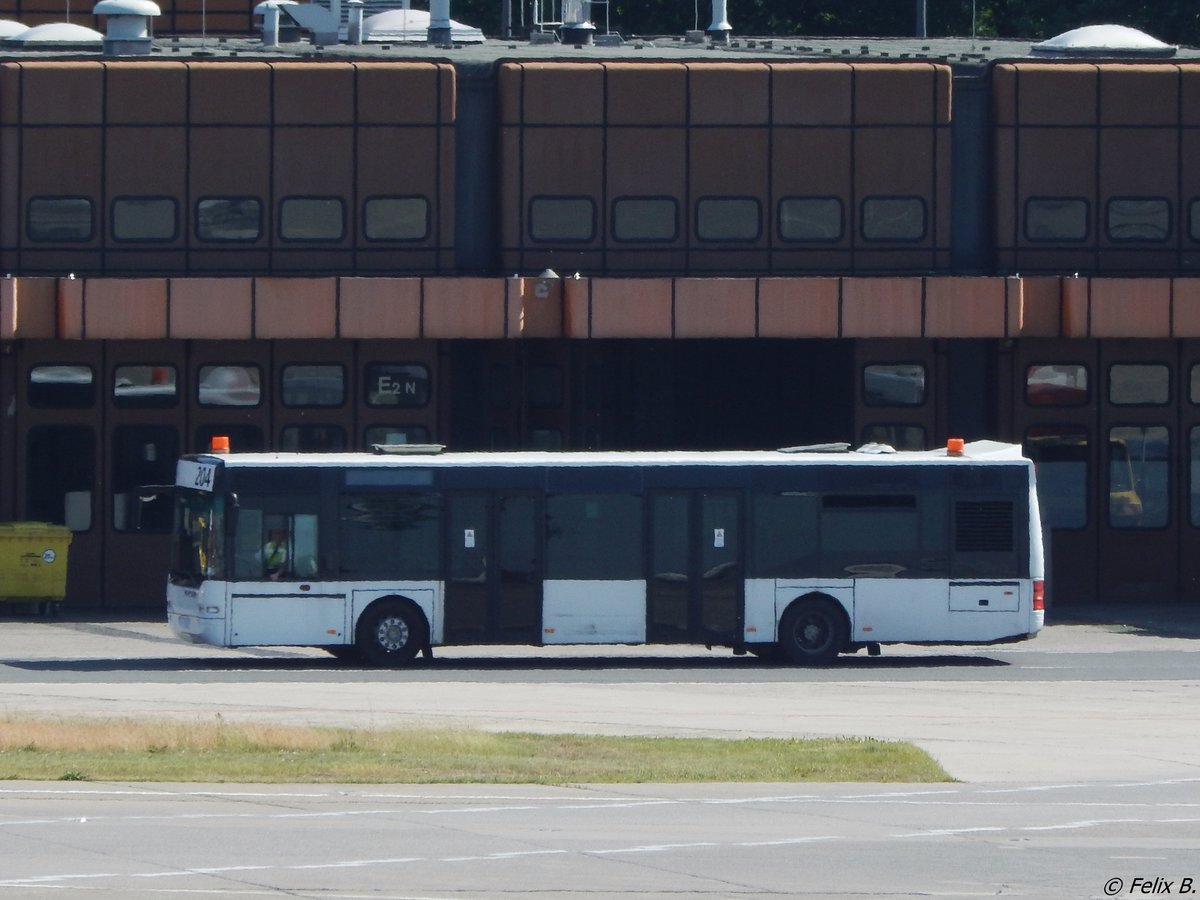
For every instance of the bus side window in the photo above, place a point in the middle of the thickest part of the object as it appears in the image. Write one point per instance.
(305, 548)
(247, 544)
(289, 548)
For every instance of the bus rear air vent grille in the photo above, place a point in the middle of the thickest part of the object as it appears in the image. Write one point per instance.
(983, 526)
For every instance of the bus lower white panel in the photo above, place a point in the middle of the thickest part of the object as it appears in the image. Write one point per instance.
(593, 612)
(287, 619)
(985, 596)
(899, 609)
(760, 616)
(916, 610)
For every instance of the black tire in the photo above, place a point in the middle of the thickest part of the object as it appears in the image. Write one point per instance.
(812, 632)
(390, 633)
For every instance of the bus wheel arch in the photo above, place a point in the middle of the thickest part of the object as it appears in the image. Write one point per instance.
(813, 630)
(391, 631)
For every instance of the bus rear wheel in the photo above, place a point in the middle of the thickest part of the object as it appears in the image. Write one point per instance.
(812, 632)
(390, 633)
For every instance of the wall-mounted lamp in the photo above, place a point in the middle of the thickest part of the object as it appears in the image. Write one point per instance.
(545, 282)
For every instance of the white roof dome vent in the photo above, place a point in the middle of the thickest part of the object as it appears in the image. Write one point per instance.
(56, 36)
(411, 26)
(9, 28)
(128, 26)
(1103, 40)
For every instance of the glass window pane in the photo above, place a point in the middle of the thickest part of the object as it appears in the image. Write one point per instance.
(562, 219)
(645, 219)
(396, 434)
(229, 386)
(1194, 384)
(896, 384)
(1057, 384)
(1138, 489)
(893, 219)
(869, 534)
(1194, 220)
(61, 475)
(59, 219)
(785, 534)
(396, 219)
(544, 439)
(728, 219)
(1061, 457)
(312, 219)
(1194, 475)
(144, 387)
(544, 386)
(810, 219)
(312, 439)
(229, 219)
(397, 384)
(1056, 219)
(277, 538)
(901, 437)
(144, 219)
(61, 387)
(1139, 384)
(390, 535)
(1138, 219)
(143, 454)
(313, 385)
(594, 536)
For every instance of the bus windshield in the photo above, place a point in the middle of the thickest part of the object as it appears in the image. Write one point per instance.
(199, 526)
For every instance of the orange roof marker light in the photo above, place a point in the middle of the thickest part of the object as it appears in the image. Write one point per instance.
(219, 443)
(954, 446)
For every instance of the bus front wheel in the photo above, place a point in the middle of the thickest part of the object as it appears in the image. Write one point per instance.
(390, 633)
(812, 632)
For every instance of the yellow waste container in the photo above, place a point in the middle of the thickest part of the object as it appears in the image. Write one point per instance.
(33, 564)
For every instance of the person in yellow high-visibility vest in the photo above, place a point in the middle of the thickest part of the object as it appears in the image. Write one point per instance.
(275, 554)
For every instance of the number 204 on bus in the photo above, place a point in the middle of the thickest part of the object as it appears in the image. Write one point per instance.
(802, 553)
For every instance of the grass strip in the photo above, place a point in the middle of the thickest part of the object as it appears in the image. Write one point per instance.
(220, 751)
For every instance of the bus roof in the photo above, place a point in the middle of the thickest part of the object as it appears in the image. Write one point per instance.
(976, 451)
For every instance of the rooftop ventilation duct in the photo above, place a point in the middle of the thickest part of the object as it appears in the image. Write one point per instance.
(719, 30)
(439, 22)
(127, 30)
(1105, 41)
(354, 25)
(273, 32)
(577, 27)
(324, 23)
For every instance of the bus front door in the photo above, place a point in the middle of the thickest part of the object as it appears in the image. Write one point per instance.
(695, 583)
(494, 583)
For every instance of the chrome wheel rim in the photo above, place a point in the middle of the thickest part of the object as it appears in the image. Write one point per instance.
(392, 633)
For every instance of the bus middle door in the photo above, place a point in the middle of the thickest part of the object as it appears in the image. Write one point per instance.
(695, 583)
(493, 592)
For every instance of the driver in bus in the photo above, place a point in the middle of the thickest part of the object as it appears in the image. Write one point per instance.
(275, 554)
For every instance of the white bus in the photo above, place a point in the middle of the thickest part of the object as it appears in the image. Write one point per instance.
(803, 553)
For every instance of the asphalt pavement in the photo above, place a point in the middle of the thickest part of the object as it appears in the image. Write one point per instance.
(1092, 698)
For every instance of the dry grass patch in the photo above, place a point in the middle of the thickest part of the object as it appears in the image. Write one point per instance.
(220, 751)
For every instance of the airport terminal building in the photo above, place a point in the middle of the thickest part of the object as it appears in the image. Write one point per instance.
(642, 243)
